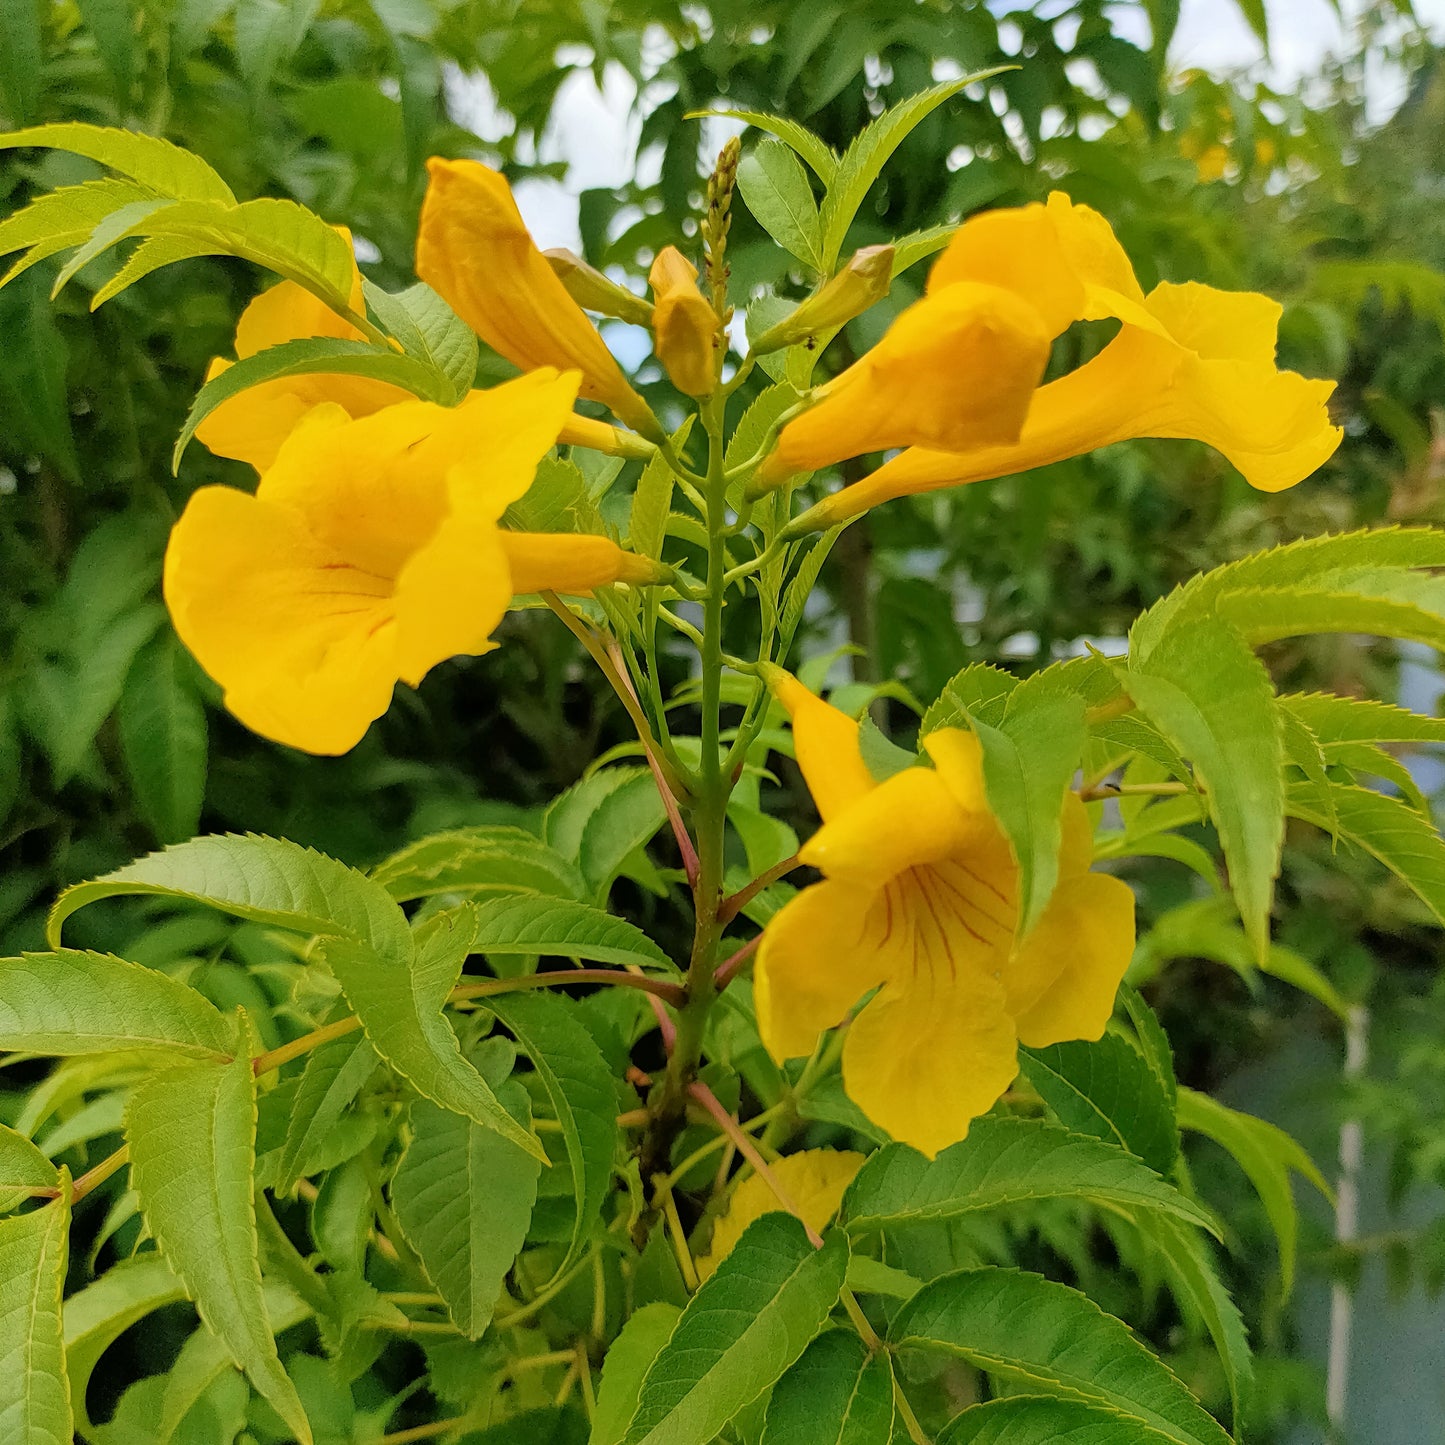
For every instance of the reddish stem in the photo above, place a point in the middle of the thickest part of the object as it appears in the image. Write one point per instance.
(728, 968)
(734, 904)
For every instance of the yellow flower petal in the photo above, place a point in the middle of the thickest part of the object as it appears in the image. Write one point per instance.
(684, 325)
(825, 741)
(557, 562)
(815, 1180)
(475, 251)
(1062, 981)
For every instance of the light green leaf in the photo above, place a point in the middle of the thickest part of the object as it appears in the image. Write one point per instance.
(163, 739)
(580, 1088)
(865, 158)
(652, 500)
(24, 1169)
(71, 1002)
(871, 1276)
(192, 1137)
(147, 159)
(1262, 616)
(777, 192)
(34, 1393)
(979, 693)
(1211, 697)
(750, 1320)
(63, 218)
(818, 154)
(151, 255)
(1039, 1335)
(627, 816)
(629, 1357)
(1373, 762)
(313, 355)
(332, 1078)
(528, 924)
(479, 860)
(265, 880)
(1266, 1154)
(1108, 1089)
(1036, 1420)
(400, 1008)
(918, 246)
(463, 1197)
(557, 501)
(1005, 1162)
(1361, 720)
(430, 331)
(838, 1393)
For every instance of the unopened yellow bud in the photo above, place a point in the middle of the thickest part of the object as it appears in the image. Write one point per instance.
(612, 441)
(684, 325)
(861, 283)
(593, 291)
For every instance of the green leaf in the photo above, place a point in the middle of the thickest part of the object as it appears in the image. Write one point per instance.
(1109, 1089)
(163, 739)
(333, 1077)
(479, 860)
(652, 500)
(62, 218)
(1154, 1045)
(623, 816)
(1386, 827)
(838, 1393)
(865, 158)
(530, 924)
(1212, 698)
(34, 1393)
(1029, 760)
(1005, 1162)
(1354, 719)
(1035, 1420)
(918, 246)
(112, 24)
(1039, 1335)
(750, 1320)
(325, 355)
(629, 1357)
(24, 1170)
(151, 255)
(1266, 1154)
(778, 193)
(1262, 616)
(1373, 762)
(400, 1008)
(979, 693)
(152, 162)
(192, 1137)
(580, 1088)
(264, 880)
(818, 154)
(464, 1198)
(430, 331)
(557, 501)
(22, 57)
(33, 382)
(71, 1002)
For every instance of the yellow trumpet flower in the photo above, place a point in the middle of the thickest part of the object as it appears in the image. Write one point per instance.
(370, 552)
(474, 249)
(920, 903)
(1189, 361)
(684, 325)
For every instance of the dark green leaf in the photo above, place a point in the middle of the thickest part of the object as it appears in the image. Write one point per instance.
(1036, 1420)
(527, 924)
(838, 1393)
(333, 1076)
(163, 739)
(479, 860)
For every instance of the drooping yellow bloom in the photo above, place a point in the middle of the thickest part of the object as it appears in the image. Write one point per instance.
(369, 553)
(815, 1180)
(1189, 361)
(684, 325)
(475, 250)
(920, 902)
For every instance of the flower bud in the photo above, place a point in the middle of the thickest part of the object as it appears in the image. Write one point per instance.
(684, 325)
(863, 281)
(593, 291)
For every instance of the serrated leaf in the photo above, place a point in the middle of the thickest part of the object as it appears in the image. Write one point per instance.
(652, 500)
(818, 154)
(1354, 719)
(1267, 1155)
(981, 692)
(1029, 759)
(312, 355)
(629, 1357)
(1262, 616)
(479, 860)
(1005, 1162)
(34, 1391)
(163, 739)
(1153, 1044)
(62, 218)
(838, 1393)
(264, 880)
(742, 1329)
(1040, 1335)
(1108, 1089)
(868, 153)
(24, 1169)
(918, 246)
(580, 1088)
(464, 1196)
(151, 255)
(192, 1138)
(429, 330)
(1211, 697)
(557, 501)
(1037, 1420)
(73, 1002)
(400, 1008)
(1385, 827)
(602, 820)
(776, 190)
(333, 1076)
(148, 159)
(529, 924)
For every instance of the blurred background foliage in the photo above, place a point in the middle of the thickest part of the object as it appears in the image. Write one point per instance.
(112, 742)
